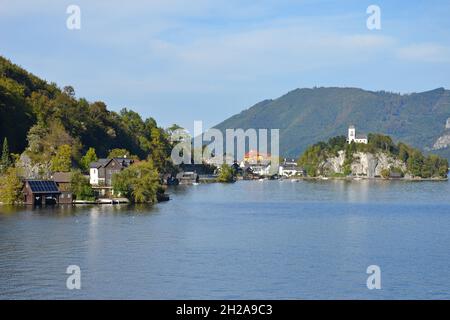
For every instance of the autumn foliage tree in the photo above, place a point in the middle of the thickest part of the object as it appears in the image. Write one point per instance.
(62, 160)
(10, 187)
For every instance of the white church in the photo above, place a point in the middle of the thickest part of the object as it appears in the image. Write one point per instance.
(352, 136)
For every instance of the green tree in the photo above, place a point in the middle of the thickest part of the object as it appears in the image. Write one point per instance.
(434, 166)
(10, 187)
(61, 161)
(226, 174)
(403, 152)
(415, 163)
(6, 158)
(81, 187)
(385, 173)
(443, 168)
(139, 182)
(120, 153)
(160, 149)
(88, 158)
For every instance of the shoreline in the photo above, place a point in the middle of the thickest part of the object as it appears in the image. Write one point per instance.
(367, 178)
(116, 201)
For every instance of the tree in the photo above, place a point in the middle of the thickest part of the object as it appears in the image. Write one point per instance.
(139, 182)
(226, 174)
(6, 158)
(61, 161)
(403, 152)
(381, 142)
(44, 141)
(337, 143)
(69, 90)
(443, 168)
(81, 187)
(88, 158)
(434, 166)
(385, 173)
(10, 187)
(415, 163)
(120, 153)
(160, 149)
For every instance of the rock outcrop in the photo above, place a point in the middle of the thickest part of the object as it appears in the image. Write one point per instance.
(363, 164)
(444, 140)
(31, 170)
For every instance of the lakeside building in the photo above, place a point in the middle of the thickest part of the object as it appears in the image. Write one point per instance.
(102, 171)
(62, 180)
(353, 137)
(260, 170)
(255, 157)
(40, 192)
(290, 168)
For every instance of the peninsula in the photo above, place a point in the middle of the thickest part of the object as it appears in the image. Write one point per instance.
(371, 156)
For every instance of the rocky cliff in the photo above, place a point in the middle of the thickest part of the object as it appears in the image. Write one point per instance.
(363, 164)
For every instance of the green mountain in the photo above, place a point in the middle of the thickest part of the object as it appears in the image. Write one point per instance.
(306, 116)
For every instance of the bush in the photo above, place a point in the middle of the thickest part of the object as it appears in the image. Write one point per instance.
(385, 173)
(226, 174)
(81, 187)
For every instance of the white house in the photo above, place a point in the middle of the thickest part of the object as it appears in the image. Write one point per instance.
(352, 136)
(290, 168)
(102, 170)
(261, 170)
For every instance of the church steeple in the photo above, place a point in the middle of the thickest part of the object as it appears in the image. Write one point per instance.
(351, 134)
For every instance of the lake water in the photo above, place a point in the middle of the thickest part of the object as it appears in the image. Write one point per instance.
(248, 240)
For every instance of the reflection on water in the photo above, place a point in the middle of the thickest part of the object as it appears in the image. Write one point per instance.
(251, 239)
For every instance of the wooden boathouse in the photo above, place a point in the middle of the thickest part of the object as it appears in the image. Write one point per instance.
(40, 192)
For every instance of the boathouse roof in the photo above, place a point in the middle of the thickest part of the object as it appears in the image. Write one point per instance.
(43, 186)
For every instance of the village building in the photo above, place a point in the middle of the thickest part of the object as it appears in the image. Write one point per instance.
(290, 168)
(258, 163)
(40, 192)
(353, 137)
(63, 181)
(255, 157)
(102, 171)
(260, 170)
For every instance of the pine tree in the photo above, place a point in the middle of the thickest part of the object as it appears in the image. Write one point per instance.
(6, 159)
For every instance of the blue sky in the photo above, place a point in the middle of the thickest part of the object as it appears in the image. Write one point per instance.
(180, 61)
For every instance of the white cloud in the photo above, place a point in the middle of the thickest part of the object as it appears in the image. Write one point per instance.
(239, 55)
(425, 52)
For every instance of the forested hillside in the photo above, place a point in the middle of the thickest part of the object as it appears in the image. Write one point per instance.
(38, 117)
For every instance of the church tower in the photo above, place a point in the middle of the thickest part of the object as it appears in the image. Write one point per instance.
(351, 134)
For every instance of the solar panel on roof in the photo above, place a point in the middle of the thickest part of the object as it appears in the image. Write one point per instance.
(43, 186)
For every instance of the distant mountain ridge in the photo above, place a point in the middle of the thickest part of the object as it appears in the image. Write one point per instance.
(306, 116)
